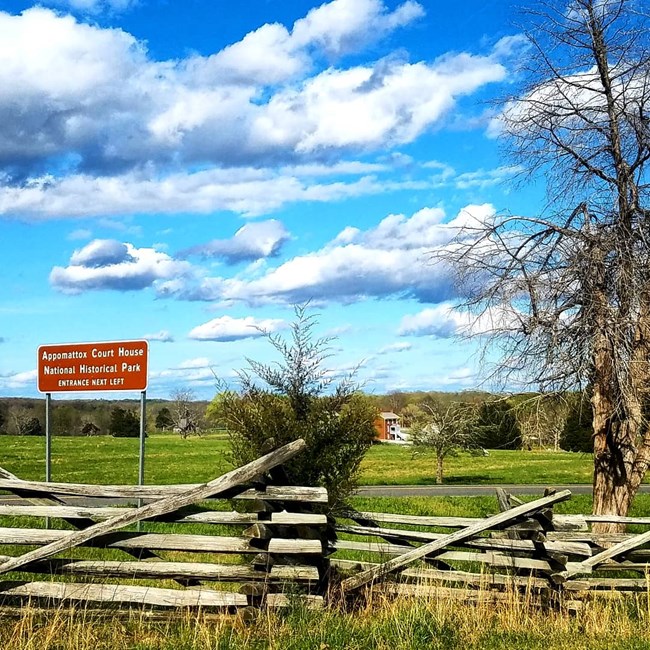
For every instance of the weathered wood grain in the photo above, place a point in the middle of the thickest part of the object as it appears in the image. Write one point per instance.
(271, 493)
(481, 580)
(164, 506)
(445, 593)
(418, 520)
(625, 584)
(621, 548)
(460, 535)
(273, 601)
(572, 548)
(135, 595)
(173, 570)
(159, 541)
(206, 517)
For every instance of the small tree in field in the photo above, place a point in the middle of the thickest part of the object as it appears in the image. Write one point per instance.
(297, 397)
(164, 420)
(184, 413)
(445, 429)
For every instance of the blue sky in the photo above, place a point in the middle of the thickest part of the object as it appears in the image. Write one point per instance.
(187, 171)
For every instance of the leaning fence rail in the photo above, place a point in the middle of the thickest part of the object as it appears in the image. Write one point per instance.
(272, 546)
(274, 530)
(524, 548)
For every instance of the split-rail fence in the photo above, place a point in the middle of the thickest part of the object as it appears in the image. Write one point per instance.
(273, 545)
(524, 549)
(186, 553)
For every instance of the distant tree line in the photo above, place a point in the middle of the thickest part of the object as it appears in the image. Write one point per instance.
(523, 421)
(514, 422)
(26, 416)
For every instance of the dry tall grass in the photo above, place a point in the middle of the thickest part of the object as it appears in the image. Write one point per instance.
(381, 623)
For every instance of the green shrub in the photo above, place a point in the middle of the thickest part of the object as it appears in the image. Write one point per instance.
(298, 398)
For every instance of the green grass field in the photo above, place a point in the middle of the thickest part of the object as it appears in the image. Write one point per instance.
(380, 624)
(169, 459)
(395, 465)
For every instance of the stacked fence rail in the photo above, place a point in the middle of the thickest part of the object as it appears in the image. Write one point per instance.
(526, 549)
(186, 552)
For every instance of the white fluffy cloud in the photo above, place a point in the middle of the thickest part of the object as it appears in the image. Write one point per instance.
(164, 336)
(227, 328)
(252, 241)
(244, 190)
(273, 54)
(441, 321)
(19, 379)
(392, 259)
(445, 321)
(109, 264)
(117, 125)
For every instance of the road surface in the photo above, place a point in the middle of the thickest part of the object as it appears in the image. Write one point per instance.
(389, 491)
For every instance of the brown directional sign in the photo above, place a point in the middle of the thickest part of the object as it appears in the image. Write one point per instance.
(113, 365)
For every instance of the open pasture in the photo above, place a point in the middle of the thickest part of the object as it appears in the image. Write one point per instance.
(170, 459)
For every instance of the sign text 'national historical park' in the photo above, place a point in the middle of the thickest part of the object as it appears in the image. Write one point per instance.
(114, 365)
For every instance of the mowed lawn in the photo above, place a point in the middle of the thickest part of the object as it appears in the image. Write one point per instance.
(387, 464)
(169, 459)
(106, 460)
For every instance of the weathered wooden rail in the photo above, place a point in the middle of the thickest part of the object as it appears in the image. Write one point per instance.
(524, 548)
(188, 555)
(274, 548)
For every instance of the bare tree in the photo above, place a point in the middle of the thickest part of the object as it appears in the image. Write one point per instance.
(541, 419)
(445, 428)
(184, 413)
(565, 296)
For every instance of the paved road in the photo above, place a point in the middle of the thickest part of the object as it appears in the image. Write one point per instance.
(392, 491)
(466, 490)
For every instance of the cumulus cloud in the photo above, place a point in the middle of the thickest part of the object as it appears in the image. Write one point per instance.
(117, 125)
(109, 264)
(445, 321)
(273, 54)
(441, 321)
(247, 191)
(392, 259)
(19, 379)
(251, 242)
(227, 328)
(164, 336)
(101, 252)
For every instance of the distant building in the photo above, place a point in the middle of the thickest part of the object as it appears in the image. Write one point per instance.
(387, 426)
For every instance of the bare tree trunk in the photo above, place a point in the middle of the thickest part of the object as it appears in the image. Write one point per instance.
(616, 432)
(439, 462)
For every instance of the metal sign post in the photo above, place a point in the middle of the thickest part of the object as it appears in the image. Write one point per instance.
(143, 435)
(48, 445)
(102, 366)
(48, 438)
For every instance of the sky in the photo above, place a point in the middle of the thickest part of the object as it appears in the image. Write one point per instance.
(187, 172)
